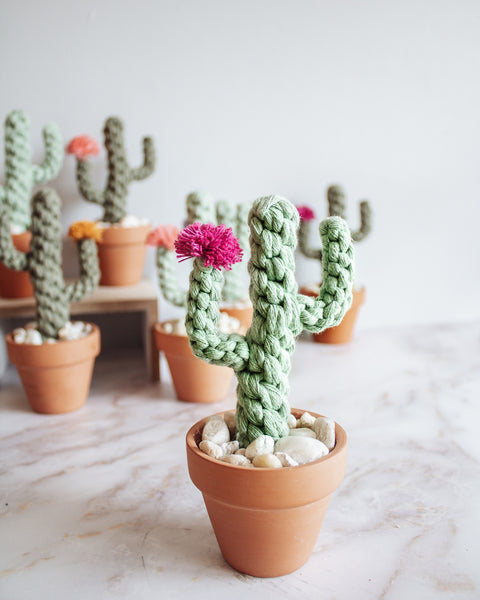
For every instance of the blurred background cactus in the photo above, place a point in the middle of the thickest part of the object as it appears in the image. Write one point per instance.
(114, 197)
(261, 358)
(20, 174)
(44, 261)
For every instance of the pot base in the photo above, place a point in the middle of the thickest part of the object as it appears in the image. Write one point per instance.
(16, 284)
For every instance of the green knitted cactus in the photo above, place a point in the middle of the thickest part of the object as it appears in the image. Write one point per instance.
(44, 261)
(114, 197)
(261, 358)
(336, 208)
(20, 174)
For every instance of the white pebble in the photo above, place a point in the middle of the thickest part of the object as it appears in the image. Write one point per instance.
(236, 459)
(229, 447)
(286, 459)
(210, 448)
(306, 420)
(228, 324)
(241, 451)
(324, 429)
(229, 418)
(302, 432)
(19, 335)
(216, 431)
(301, 449)
(50, 341)
(263, 444)
(168, 327)
(292, 421)
(33, 337)
(267, 461)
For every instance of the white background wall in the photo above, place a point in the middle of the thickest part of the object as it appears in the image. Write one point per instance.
(246, 98)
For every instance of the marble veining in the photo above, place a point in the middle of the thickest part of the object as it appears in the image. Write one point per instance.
(99, 504)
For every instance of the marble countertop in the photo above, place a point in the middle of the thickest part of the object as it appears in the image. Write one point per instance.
(98, 504)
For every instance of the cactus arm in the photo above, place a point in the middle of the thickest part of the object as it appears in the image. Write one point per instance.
(53, 155)
(242, 231)
(365, 222)
(206, 341)
(335, 298)
(232, 287)
(200, 208)
(9, 255)
(84, 182)
(166, 265)
(303, 242)
(89, 271)
(336, 201)
(148, 166)
(3, 195)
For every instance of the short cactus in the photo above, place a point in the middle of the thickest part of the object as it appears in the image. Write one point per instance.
(336, 208)
(44, 261)
(120, 174)
(20, 174)
(261, 358)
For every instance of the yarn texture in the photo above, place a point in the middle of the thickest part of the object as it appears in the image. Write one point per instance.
(114, 197)
(261, 357)
(20, 174)
(44, 261)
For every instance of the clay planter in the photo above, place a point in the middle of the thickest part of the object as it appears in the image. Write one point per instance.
(244, 315)
(121, 254)
(16, 284)
(56, 377)
(341, 334)
(266, 521)
(194, 380)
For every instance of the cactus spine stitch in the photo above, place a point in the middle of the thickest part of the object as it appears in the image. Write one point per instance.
(44, 263)
(20, 174)
(114, 197)
(261, 358)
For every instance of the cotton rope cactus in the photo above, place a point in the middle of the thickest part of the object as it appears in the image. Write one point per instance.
(336, 208)
(20, 174)
(261, 358)
(44, 261)
(114, 197)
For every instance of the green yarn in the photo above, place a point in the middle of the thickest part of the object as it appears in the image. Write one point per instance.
(20, 174)
(44, 263)
(120, 174)
(166, 272)
(261, 358)
(337, 207)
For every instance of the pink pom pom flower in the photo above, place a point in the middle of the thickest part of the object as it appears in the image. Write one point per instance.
(306, 213)
(163, 236)
(215, 243)
(83, 146)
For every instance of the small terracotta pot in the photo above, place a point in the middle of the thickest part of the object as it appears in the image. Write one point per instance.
(341, 334)
(56, 377)
(266, 521)
(16, 284)
(194, 380)
(244, 315)
(122, 254)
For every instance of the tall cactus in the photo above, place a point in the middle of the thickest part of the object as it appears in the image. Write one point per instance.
(20, 174)
(44, 261)
(114, 197)
(261, 358)
(336, 208)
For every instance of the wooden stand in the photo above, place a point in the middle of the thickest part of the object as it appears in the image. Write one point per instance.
(134, 298)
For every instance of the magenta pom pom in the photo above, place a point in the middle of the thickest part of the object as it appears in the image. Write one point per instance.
(306, 213)
(215, 243)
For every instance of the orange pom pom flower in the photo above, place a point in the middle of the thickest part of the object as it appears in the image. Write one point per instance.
(83, 146)
(163, 236)
(85, 229)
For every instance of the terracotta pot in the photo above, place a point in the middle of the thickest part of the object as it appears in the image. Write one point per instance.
(16, 284)
(266, 521)
(122, 254)
(341, 334)
(56, 377)
(244, 315)
(194, 380)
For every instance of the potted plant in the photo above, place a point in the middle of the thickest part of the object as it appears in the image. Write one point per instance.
(266, 520)
(342, 333)
(55, 372)
(20, 177)
(121, 250)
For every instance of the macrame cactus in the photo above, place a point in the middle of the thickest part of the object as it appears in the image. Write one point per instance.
(114, 197)
(261, 358)
(44, 261)
(20, 174)
(336, 208)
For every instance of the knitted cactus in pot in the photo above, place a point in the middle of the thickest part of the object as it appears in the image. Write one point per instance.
(120, 174)
(44, 261)
(261, 358)
(20, 174)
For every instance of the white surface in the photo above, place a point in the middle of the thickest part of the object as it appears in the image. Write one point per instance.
(98, 504)
(249, 98)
